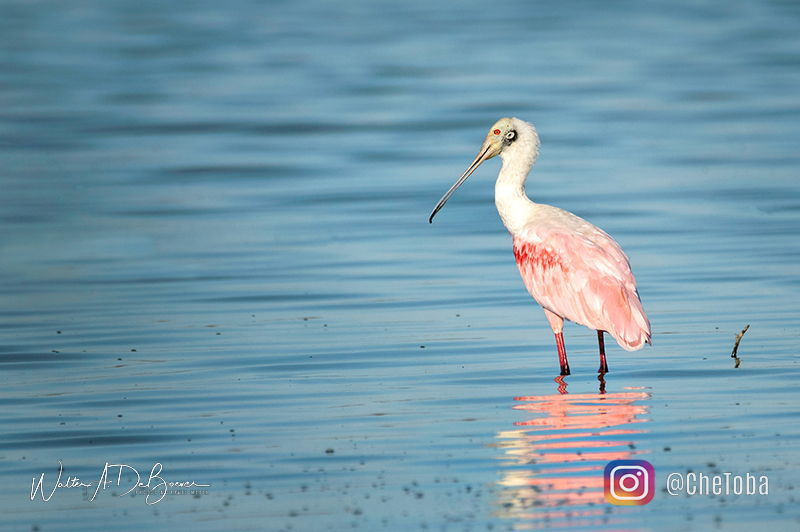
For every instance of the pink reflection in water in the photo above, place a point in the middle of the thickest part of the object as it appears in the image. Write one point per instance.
(552, 474)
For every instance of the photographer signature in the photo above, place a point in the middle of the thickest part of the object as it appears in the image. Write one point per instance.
(155, 486)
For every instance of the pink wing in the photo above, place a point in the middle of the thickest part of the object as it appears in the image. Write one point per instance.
(585, 278)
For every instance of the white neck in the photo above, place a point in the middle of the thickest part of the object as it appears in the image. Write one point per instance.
(509, 192)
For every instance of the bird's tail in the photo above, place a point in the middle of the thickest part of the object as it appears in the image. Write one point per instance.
(628, 322)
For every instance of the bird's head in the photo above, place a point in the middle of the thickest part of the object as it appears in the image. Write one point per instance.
(501, 135)
(507, 137)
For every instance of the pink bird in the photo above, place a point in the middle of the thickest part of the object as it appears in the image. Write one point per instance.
(572, 268)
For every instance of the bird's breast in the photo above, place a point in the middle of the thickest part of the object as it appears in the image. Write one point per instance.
(537, 256)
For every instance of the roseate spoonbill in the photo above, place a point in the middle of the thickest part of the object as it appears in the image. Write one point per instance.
(572, 268)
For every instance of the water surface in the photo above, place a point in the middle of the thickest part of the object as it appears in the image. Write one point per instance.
(216, 257)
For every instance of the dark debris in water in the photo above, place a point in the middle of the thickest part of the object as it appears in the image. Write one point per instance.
(736, 346)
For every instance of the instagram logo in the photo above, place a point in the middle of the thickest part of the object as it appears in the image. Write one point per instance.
(629, 482)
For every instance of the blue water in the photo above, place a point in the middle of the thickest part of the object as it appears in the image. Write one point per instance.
(216, 257)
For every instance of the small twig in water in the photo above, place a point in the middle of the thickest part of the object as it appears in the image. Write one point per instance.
(738, 339)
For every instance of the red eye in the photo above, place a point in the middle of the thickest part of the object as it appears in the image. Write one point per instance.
(496, 132)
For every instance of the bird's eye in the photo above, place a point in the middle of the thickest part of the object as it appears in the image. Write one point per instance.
(510, 135)
(496, 131)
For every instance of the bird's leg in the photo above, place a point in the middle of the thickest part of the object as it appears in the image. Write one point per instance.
(557, 323)
(603, 366)
(562, 353)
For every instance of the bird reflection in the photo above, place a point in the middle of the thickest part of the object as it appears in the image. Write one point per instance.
(552, 474)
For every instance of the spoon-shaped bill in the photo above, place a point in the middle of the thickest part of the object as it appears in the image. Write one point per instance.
(488, 151)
